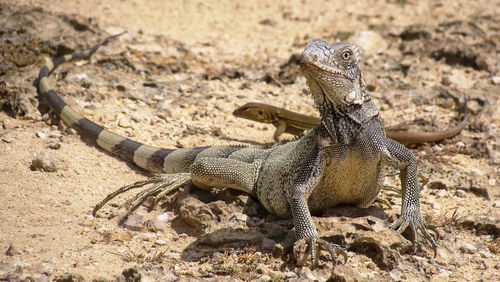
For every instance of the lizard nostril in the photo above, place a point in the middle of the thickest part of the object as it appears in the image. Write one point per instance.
(315, 57)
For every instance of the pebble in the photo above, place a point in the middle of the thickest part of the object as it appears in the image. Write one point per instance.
(468, 248)
(441, 193)
(371, 42)
(9, 123)
(7, 140)
(12, 251)
(497, 204)
(54, 134)
(460, 79)
(160, 242)
(492, 181)
(264, 278)
(89, 221)
(45, 162)
(495, 80)
(460, 193)
(436, 207)
(134, 222)
(288, 275)
(124, 122)
(485, 254)
(41, 134)
(476, 171)
(160, 221)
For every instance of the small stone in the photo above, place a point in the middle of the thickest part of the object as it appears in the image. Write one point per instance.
(159, 222)
(460, 79)
(160, 242)
(264, 278)
(474, 107)
(476, 171)
(441, 193)
(460, 193)
(89, 221)
(41, 134)
(54, 134)
(439, 184)
(12, 251)
(429, 109)
(124, 122)
(468, 248)
(495, 80)
(492, 181)
(436, 207)
(45, 162)
(370, 41)
(485, 254)
(55, 145)
(133, 222)
(497, 204)
(288, 275)
(9, 123)
(446, 81)
(460, 144)
(7, 140)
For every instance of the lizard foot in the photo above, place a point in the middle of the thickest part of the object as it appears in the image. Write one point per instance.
(162, 185)
(416, 222)
(315, 243)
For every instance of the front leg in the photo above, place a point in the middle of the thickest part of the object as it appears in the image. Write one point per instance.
(307, 178)
(402, 158)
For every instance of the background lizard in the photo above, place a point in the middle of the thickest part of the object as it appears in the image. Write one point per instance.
(295, 123)
(341, 160)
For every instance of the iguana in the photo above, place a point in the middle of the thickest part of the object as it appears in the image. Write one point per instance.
(341, 160)
(291, 122)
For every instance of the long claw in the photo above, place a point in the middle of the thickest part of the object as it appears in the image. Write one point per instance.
(315, 244)
(416, 222)
(163, 184)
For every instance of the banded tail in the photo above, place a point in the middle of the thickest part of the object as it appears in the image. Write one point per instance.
(150, 158)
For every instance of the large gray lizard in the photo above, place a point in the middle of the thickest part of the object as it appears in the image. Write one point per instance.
(341, 160)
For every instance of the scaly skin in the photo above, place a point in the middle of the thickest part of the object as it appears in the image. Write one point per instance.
(341, 160)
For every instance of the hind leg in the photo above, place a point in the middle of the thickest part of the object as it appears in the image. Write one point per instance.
(204, 172)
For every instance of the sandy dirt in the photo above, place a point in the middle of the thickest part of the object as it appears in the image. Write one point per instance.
(174, 79)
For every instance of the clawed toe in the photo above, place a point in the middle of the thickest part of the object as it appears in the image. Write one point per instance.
(314, 245)
(163, 184)
(416, 222)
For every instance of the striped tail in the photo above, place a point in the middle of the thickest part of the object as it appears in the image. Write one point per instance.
(147, 157)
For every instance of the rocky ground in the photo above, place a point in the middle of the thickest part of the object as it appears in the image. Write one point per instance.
(173, 81)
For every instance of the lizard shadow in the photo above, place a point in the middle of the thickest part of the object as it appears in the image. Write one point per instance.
(240, 224)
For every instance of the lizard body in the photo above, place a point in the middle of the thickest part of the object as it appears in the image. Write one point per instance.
(341, 160)
(294, 123)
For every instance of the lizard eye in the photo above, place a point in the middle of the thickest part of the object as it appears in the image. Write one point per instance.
(346, 55)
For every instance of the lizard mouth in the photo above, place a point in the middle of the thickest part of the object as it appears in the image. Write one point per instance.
(308, 67)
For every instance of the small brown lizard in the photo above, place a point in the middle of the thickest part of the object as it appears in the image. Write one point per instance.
(294, 123)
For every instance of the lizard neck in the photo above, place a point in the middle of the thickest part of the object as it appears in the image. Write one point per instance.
(343, 123)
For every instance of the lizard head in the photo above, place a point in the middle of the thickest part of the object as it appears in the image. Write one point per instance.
(255, 112)
(332, 72)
